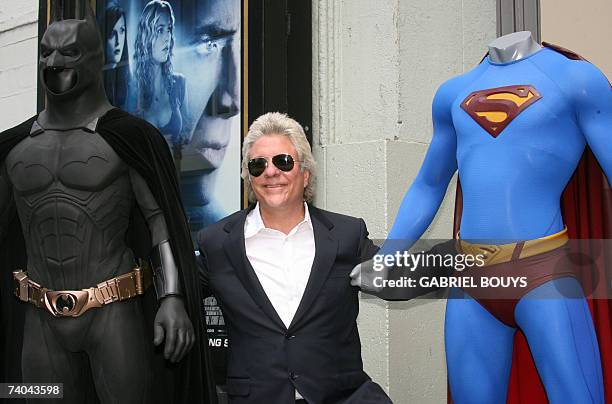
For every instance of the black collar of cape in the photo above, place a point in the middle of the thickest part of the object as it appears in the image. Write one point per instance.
(143, 148)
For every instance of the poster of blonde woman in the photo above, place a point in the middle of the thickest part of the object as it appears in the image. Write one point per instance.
(177, 64)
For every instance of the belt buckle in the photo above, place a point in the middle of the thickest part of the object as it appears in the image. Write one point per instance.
(127, 287)
(489, 252)
(21, 286)
(66, 303)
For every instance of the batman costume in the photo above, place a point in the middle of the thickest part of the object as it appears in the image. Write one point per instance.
(84, 190)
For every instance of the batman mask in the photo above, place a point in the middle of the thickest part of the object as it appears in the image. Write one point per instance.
(71, 56)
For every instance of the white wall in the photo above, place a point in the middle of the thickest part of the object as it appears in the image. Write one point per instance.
(582, 27)
(18, 49)
(376, 66)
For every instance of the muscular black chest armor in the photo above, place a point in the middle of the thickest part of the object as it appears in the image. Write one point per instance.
(74, 197)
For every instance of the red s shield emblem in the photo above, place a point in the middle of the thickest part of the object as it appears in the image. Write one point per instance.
(495, 108)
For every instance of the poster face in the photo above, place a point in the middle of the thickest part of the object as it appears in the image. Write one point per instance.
(177, 64)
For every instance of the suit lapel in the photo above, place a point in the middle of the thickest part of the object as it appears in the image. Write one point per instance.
(236, 252)
(326, 248)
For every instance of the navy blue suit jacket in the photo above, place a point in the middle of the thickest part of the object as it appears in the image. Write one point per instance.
(319, 354)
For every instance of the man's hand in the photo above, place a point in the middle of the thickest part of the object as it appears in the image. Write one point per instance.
(173, 324)
(363, 276)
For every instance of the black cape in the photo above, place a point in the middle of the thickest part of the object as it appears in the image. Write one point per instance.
(142, 147)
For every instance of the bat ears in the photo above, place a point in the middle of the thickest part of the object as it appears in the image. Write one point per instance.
(87, 12)
(57, 11)
(84, 11)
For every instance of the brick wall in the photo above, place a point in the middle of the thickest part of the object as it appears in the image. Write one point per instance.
(18, 49)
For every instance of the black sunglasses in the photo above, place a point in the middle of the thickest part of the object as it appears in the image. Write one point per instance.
(283, 162)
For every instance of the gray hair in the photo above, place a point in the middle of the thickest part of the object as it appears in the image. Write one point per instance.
(276, 123)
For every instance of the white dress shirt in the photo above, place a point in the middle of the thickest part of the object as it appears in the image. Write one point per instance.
(282, 262)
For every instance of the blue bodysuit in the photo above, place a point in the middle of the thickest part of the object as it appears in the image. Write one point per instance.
(515, 132)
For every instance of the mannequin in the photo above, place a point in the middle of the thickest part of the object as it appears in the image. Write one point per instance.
(514, 128)
(512, 47)
(84, 178)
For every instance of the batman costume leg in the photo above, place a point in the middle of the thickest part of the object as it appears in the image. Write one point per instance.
(111, 340)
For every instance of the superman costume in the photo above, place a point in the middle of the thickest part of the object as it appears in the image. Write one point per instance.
(515, 132)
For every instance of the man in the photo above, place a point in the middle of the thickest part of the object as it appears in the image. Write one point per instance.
(280, 271)
(212, 70)
(84, 190)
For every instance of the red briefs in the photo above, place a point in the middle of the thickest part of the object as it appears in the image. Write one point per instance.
(499, 287)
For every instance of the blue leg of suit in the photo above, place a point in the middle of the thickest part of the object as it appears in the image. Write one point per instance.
(570, 368)
(479, 347)
(478, 352)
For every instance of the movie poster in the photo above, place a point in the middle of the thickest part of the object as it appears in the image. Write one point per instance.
(177, 64)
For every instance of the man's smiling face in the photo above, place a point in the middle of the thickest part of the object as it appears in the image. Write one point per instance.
(276, 189)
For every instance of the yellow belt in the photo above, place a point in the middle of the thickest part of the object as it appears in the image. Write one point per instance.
(500, 253)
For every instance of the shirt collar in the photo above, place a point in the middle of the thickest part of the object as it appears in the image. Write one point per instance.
(254, 223)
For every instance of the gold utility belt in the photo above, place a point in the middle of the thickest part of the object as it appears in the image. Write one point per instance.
(501, 253)
(73, 303)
